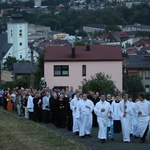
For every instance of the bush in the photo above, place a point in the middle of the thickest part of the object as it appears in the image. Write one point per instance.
(99, 83)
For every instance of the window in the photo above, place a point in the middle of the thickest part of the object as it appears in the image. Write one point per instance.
(20, 44)
(147, 88)
(146, 74)
(83, 70)
(20, 33)
(141, 73)
(11, 33)
(61, 70)
(20, 56)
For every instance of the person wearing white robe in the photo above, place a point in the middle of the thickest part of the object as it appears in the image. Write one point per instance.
(110, 125)
(135, 120)
(73, 106)
(143, 110)
(125, 114)
(84, 112)
(116, 115)
(102, 109)
(30, 107)
(131, 116)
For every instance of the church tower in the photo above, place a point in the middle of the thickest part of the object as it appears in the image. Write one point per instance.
(17, 35)
(37, 3)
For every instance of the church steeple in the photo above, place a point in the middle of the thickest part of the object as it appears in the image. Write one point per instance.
(17, 35)
(17, 16)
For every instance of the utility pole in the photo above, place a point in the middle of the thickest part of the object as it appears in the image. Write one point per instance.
(32, 67)
(125, 75)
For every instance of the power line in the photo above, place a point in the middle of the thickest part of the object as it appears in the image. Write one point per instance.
(17, 67)
(32, 64)
(19, 50)
(21, 63)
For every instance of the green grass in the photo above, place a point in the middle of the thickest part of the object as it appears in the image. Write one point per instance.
(17, 133)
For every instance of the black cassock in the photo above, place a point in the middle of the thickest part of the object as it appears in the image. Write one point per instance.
(37, 109)
(69, 117)
(53, 109)
(4, 96)
(95, 124)
(61, 113)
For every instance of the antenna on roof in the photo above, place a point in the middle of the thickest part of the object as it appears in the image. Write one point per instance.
(88, 47)
(73, 50)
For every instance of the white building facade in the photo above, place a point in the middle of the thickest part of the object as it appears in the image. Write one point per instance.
(17, 34)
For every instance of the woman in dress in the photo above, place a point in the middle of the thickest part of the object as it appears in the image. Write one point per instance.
(9, 101)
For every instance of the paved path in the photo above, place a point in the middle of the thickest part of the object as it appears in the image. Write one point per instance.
(94, 143)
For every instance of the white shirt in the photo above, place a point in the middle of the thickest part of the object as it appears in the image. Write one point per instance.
(102, 105)
(30, 105)
(45, 103)
(116, 111)
(14, 97)
(73, 105)
(82, 109)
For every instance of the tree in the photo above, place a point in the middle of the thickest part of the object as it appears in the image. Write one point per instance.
(112, 28)
(97, 34)
(8, 64)
(21, 82)
(79, 42)
(82, 33)
(99, 83)
(134, 85)
(69, 30)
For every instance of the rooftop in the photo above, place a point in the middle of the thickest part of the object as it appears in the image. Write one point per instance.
(138, 26)
(122, 34)
(95, 26)
(96, 53)
(138, 62)
(4, 46)
(22, 68)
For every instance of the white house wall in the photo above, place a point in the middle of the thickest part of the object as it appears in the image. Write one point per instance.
(112, 68)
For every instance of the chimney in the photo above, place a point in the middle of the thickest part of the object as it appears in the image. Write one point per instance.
(73, 51)
(88, 47)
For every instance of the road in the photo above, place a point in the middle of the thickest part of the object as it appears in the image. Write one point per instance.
(93, 143)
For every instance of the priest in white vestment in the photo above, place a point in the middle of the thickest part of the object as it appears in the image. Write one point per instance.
(125, 117)
(143, 110)
(73, 106)
(84, 112)
(102, 109)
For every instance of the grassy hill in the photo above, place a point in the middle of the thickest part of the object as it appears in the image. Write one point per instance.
(17, 133)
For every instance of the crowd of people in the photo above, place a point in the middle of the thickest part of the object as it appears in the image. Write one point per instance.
(80, 112)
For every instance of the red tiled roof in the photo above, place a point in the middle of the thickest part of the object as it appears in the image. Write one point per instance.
(96, 53)
(143, 42)
(131, 50)
(138, 43)
(122, 34)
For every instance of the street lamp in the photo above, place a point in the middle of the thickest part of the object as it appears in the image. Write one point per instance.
(43, 83)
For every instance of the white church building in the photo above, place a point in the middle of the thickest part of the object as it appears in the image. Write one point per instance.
(17, 36)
